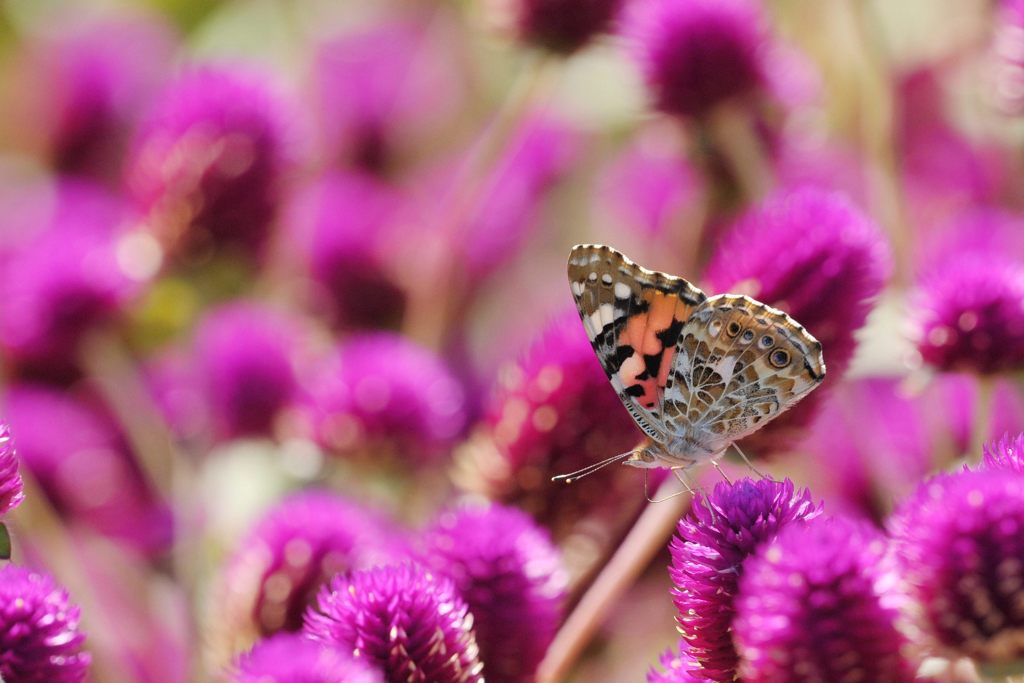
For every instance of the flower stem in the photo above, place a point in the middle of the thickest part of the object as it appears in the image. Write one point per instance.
(731, 128)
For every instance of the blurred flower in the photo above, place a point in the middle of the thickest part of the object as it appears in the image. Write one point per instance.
(1008, 56)
(243, 353)
(708, 556)
(208, 163)
(178, 393)
(1005, 454)
(404, 620)
(280, 566)
(961, 552)
(818, 258)
(292, 658)
(345, 225)
(11, 490)
(39, 636)
(812, 606)
(953, 407)
(383, 394)
(561, 26)
(697, 54)
(678, 666)
(510, 574)
(85, 467)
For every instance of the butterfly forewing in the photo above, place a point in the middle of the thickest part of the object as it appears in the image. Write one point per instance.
(633, 318)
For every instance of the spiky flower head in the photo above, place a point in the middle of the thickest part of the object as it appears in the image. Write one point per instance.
(294, 658)
(11, 489)
(678, 665)
(39, 637)
(510, 574)
(721, 531)
(1005, 454)
(404, 620)
(812, 605)
(560, 26)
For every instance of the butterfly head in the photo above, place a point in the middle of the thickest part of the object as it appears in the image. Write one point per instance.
(647, 457)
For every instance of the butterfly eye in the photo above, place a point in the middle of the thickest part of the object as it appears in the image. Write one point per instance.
(748, 336)
(779, 358)
(732, 329)
(766, 342)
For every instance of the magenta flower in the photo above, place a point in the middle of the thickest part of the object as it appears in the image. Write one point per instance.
(11, 490)
(678, 665)
(347, 227)
(39, 637)
(510, 574)
(383, 394)
(1005, 454)
(243, 353)
(708, 556)
(961, 552)
(209, 161)
(812, 605)
(407, 622)
(292, 658)
(561, 26)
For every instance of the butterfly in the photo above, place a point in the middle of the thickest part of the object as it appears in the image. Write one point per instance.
(697, 373)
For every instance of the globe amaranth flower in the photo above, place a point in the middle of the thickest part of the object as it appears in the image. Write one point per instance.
(812, 606)
(510, 575)
(244, 354)
(288, 556)
(385, 395)
(817, 257)
(1005, 454)
(11, 488)
(293, 658)
(208, 164)
(560, 26)
(721, 531)
(678, 665)
(404, 620)
(346, 225)
(39, 637)
(961, 551)
(85, 467)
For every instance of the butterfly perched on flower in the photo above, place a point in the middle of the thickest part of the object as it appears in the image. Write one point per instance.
(697, 373)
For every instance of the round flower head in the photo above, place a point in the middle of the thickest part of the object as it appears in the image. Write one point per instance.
(383, 393)
(697, 54)
(721, 531)
(243, 353)
(678, 666)
(11, 493)
(39, 636)
(276, 572)
(293, 658)
(960, 545)
(1005, 454)
(404, 620)
(561, 26)
(510, 575)
(208, 163)
(812, 607)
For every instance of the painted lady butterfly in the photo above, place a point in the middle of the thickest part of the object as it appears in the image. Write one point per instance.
(696, 372)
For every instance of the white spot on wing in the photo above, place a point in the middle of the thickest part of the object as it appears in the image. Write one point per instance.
(622, 290)
(577, 288)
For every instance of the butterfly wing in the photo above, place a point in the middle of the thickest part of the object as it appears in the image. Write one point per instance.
(633, 317)
(738, 365)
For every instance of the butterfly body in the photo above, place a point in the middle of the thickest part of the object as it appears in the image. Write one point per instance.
(696, 372)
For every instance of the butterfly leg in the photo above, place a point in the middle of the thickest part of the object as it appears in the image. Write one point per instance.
(669, 497)
(684, 479)
(750, 464)
(722, 472)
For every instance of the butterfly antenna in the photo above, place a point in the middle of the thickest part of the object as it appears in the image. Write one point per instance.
(590, 469)
(750, 464)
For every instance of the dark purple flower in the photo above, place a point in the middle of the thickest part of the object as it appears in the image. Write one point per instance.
(510, 574)
(281, 565)
(208, 163)
(84, 466)
(404, 620)
(678, 665)
(11, 490)
(561, 26)
(813, 606)
(383, 394)
(346, 226)
(720, 532)
(698, 54)
(39, 637)
(1005, 454)
(243, 353)
(292, 658)
(960, 546)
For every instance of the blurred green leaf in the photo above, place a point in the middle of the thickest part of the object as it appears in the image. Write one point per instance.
(5, 543)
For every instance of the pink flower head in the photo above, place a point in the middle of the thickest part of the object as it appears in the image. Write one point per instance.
(1005, 454)
(679, 667)
(11, 488)
(561, 26)
(297, 659)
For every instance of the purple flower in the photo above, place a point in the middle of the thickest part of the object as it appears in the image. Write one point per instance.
(243, 353)
(510, 574)
(698, 54)
(39, 637)
(11, 491)
(404, 620)
(561, 26)
(812, 605)
(281, 565)
(960, 546)
(347, 228)
(208, 163)
(292, 658)
(178, 393)
(1005, 454)
(84, 466)
(720, 532)
(678, 665)
(382, 394)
